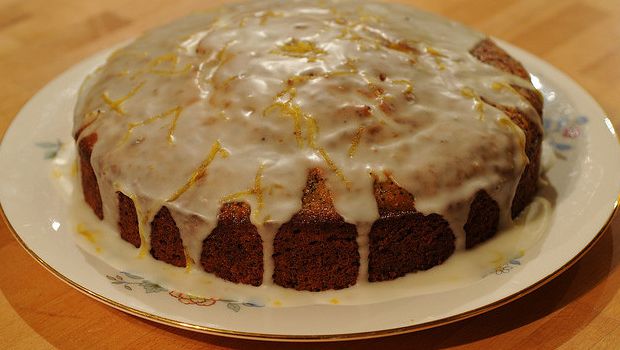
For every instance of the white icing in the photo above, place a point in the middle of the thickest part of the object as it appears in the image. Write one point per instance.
(255, 97)
(363, 231)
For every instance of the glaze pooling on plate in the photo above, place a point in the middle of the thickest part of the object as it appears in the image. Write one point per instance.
(237, 104)
(463, 269)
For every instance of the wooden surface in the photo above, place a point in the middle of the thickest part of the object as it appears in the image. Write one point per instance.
(39, 39)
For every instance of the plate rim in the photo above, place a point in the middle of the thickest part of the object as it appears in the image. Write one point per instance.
(320, 337)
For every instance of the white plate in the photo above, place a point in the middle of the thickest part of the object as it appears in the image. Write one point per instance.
(35, 199)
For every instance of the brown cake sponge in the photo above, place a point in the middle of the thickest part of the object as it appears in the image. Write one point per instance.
(128, 220)
(316, 250)
(482, 221)
(234, 249)
(528, 184)
(488, 52)
(166, 244)
(403, 240)
(90, 187)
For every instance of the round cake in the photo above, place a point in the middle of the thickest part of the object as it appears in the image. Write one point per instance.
(313, 145)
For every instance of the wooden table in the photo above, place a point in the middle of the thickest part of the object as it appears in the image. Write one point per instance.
(39, 39)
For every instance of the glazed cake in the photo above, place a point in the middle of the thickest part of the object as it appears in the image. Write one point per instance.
(314, 145)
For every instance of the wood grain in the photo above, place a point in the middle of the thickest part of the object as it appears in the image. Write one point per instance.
(580, 309)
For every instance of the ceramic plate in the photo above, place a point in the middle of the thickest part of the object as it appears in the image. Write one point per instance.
(35, 196)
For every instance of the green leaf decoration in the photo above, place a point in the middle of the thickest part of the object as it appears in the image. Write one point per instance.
(234, 307)
(150, 287)
(51, 154)
(252, 305)
(46, 144)
(51, 148)
(132, 276)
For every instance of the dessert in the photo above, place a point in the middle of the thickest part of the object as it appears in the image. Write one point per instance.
(314, 145)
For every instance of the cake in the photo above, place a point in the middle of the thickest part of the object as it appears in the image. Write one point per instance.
(312, 145)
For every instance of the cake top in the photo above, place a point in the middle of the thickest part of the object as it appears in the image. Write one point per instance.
(237, 104)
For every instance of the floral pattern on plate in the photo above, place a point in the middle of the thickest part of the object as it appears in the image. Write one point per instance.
(131, 281)
(562, 132)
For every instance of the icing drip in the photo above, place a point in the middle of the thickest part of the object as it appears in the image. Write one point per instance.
(354, 88)
(363, 232)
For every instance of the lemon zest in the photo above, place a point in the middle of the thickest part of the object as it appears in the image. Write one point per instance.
(188, 260)
(288, 109)
(438, 57)
(478, 103)
(174, 112)
(234, 196)
(186, 69)
(300, 49)
(408, 93)
(232, 79)
(312, 130)
(506, 121)
(356, 141)
(256, 190)
(268, 14)
(334, 167)
(221, 58)
(116, 105)
(74, 168)
(86, 233)
(407, 83)
(201, 170)
(292, 110)
(158, 64)
(497, 86)
(434, 52)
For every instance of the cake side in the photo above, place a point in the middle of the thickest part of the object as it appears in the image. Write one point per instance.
(128, 220)
(488, 52)
(234, 251)
(90, 186)
(403, 240)
(316, 250)
(165, 238)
